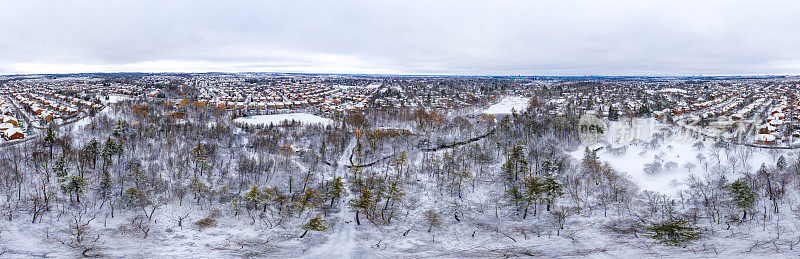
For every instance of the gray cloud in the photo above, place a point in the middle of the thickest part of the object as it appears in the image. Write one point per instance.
(428, 37)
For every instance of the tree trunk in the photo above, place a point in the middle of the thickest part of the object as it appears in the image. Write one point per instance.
(525, 214)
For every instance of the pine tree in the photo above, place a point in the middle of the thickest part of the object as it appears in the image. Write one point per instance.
(673, 233)
(110, 149)
(198, 188)
(533, 191)
(74, 185)
(613, 114)
(120, 129)
(49, 140)
(199, 153)
(309, 198)
(432, 219)
(60, 168)
(515, 164)
(393, 193)
(515, 195)
(315, 224)
(552, 189)
(336, 189)
(643, 110)
(742, 196)
(590, 162)
(135, 198)
(93, 148)
(104, 188)
(781, 164)
(364, 202)
(255, 197)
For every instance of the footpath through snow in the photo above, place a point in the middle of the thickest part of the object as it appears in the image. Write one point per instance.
(341, 242)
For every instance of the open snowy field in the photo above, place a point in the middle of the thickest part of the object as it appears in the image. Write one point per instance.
(508, 104)
(277, 119)
(677, 154)
(115, 98)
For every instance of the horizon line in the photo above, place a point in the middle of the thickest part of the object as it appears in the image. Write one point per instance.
(405, 74)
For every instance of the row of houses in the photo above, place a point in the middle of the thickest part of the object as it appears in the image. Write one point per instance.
(324, 98)
(9, 125)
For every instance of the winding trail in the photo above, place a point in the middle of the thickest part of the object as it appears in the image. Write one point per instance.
(341, 242)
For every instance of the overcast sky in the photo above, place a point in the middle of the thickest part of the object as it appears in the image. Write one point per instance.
(560, 37)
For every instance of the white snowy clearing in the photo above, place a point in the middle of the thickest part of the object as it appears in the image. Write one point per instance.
(111, 112)
(508, 104)
(674, 151)
(114, 98)
(277, 119)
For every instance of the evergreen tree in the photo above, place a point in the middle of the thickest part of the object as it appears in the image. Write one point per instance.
(533, 191)
(742, 196)
(93, 149)
(643, 110)
(515, 164)
(590, 162)
(74, 185)
(49, 140)
(393, 193)
(60, 168)
(315, 224)
(336, 189)
(363, 203)
(613, 114)
(432, 219)
(552, 189)
(255, 197)
(104, 188)
(310, 198)
(781, 164)
(135, 198)
(198, 188)
(673, 233)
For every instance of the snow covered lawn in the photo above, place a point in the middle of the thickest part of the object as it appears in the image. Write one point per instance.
(113, 98)
(277, 119)
(508, 104)
(673, 151)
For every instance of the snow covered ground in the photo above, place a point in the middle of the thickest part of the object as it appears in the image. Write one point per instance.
(341, 242)
(277, 119)
(676, 147)
(114, 98)
(479, 223)
(507, 104)
(78, 125)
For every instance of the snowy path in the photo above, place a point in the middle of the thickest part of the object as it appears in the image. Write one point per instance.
(342, 242)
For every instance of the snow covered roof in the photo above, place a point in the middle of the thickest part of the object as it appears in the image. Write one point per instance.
(765, 137)
(12, 131)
